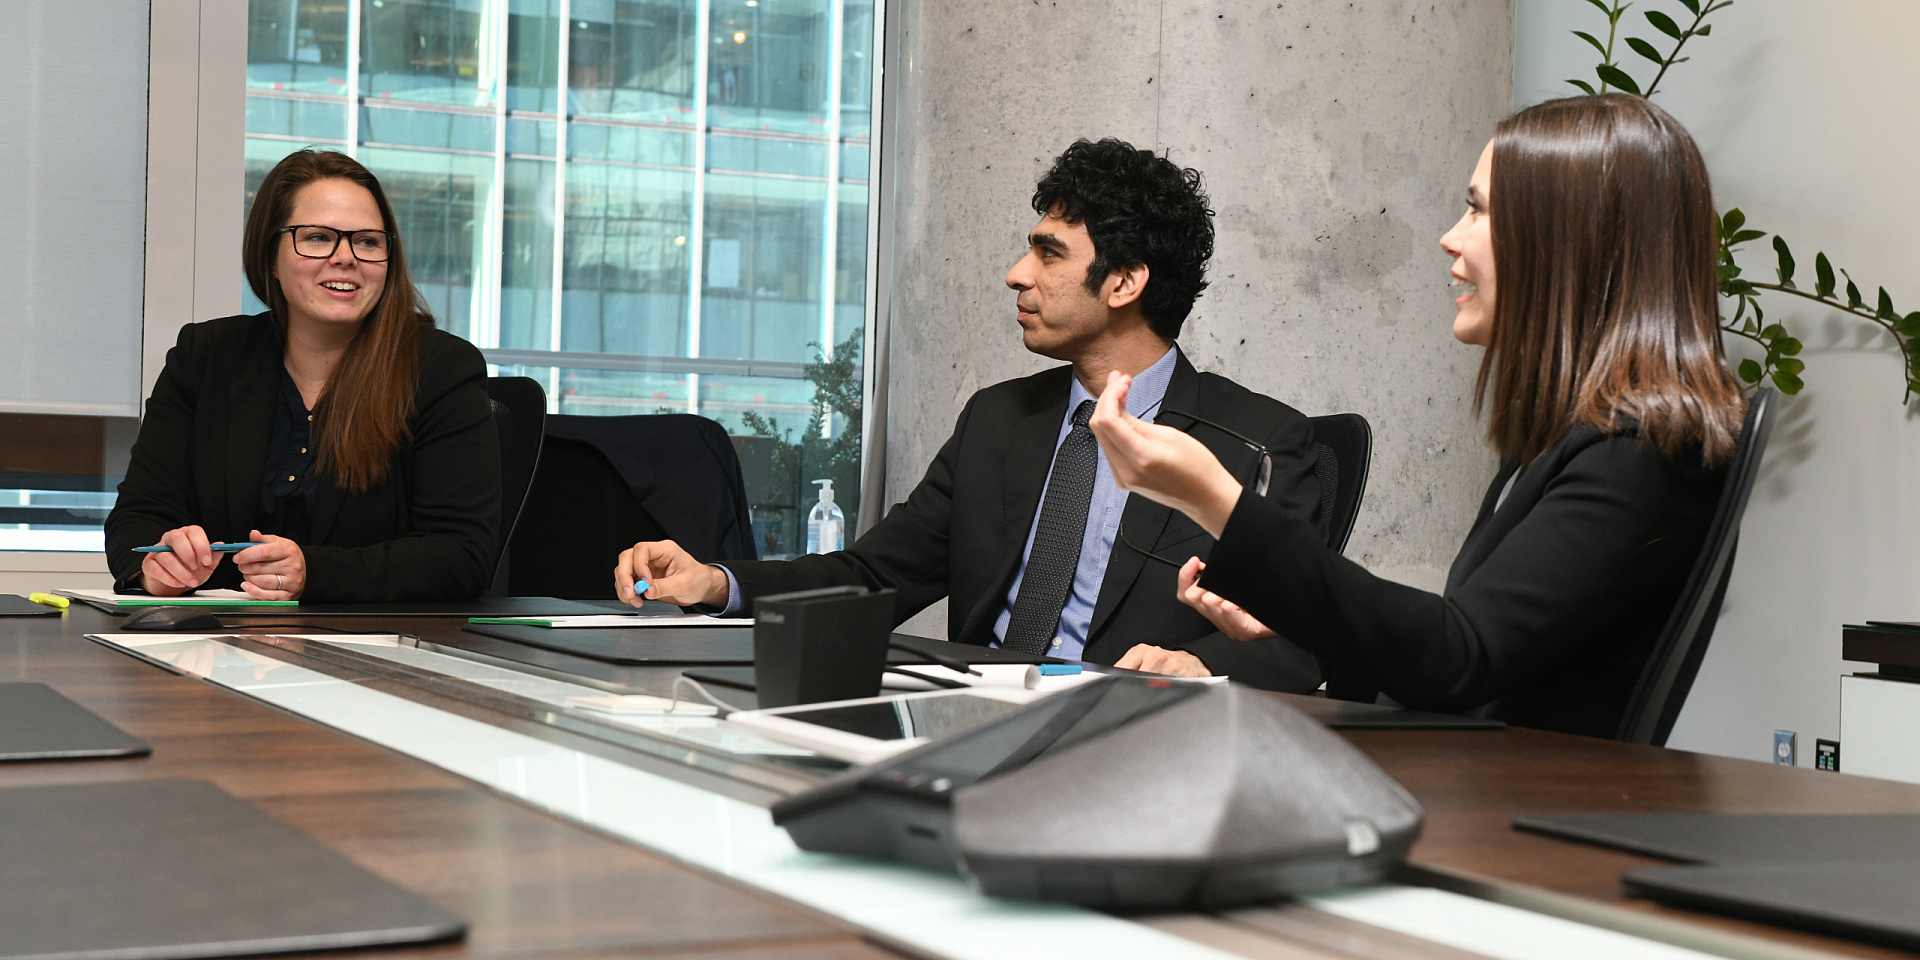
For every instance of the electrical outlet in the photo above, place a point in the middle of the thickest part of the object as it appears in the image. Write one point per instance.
(1783, 747)
(1826, 755)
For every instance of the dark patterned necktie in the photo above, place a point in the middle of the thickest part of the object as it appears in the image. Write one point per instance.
(1056, 542)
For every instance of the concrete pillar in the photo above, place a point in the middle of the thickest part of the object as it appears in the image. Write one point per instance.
(1336, 140)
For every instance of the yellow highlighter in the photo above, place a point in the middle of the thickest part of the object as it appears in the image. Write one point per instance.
(49, 599)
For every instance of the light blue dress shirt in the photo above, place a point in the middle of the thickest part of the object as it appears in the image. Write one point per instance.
(1103, 517)
(1103, 520)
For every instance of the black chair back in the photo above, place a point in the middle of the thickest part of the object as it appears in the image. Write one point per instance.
(520, 415)
(1343, 445)
(1676, 658)
(606, 483)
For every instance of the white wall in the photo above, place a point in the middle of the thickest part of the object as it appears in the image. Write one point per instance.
(1806, 114)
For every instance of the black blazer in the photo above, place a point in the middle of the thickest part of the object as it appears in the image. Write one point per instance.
(961, 532)
(1551, 608)
(427, 532)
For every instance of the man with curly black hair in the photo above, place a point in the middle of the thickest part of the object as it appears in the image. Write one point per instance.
(1018, 520)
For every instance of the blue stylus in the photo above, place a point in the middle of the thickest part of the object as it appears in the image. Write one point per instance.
(217, 548)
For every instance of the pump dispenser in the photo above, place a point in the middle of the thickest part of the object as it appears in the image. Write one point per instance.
(825, 523)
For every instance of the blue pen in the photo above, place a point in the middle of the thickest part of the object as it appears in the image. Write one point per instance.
(1059, 669)
(216, 548)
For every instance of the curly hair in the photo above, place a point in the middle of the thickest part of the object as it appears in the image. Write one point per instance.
(1138, 208)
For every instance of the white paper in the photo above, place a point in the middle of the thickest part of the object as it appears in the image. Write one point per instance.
(223, 597)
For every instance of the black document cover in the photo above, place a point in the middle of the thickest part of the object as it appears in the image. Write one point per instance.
(14, 605)
(1348, 715)
(1725, 838)
(484, 607)
(37, 723)
(1874, 900)
(164, 869)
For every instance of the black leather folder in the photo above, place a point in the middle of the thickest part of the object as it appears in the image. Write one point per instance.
(37, 723)
(1724, 838)
(170, 869)
(649, 646)
(1349, 715)
(15, 605)
(484, 607)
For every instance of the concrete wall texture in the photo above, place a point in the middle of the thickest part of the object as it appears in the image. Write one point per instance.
(1336, 140)
(1804, 113)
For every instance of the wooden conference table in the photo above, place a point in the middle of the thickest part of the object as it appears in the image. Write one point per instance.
(532, 884)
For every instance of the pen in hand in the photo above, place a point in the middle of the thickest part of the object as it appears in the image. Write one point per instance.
(216, 548)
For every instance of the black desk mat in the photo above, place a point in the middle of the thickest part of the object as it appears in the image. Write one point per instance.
(163, 869)
(1875, 900)
(1348, 715)
(37, 723)
(15, 605)
(486, 607)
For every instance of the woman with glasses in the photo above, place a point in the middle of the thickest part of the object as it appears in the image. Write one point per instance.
(1610, 405)
(340, 431)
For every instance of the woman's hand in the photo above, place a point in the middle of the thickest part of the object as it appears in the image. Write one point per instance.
(1148, 658)
(188, 566)
(1161, 463)
(274, 570)
(1225, 615)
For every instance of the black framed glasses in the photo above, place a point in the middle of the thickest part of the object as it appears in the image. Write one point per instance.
(1262, 473)
(316, 242)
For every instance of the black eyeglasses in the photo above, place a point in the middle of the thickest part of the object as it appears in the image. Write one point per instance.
(318, 243)
(1263, 474)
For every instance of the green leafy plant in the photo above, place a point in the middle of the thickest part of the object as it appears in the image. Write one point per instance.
(1779, 362)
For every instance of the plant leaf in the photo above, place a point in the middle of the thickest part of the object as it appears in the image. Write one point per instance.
(1618, 77)
(1910, 325)
(1603, 7)
(1583, 85)
(1790, 365)
(1665, 24)
(1885, 310)
(1750, 370)
(1854, 300)
(1745, 235)
(1732, 222)
(1823, 275)
(1647, 50)
(1773, 331)
(1787, 347)
(1693, 6)
(1786, 262)
(1705, 29)
(1590, 38)
(1787, 382)
(1735, 288)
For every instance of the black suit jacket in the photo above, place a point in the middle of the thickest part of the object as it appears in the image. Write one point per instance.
(426, 532)
(962, 531)
(1550, 611)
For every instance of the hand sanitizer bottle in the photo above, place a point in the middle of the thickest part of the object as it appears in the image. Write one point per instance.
(825, 523)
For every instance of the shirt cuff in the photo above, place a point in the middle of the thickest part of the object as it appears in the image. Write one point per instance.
(733, 594)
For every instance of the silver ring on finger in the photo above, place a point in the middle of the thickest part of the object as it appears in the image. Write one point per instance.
(280, 583)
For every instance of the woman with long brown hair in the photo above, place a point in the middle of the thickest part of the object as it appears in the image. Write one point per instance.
(340, 431)
(1610, 404)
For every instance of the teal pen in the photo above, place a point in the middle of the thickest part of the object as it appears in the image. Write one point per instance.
(1059, 669)
(216, 548)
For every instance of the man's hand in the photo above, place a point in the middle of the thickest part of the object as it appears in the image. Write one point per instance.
(1172, 663)
(672, 575)
(188, 566)
(1225, 615)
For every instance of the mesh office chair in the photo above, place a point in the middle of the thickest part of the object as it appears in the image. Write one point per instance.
(520, 415)
(1670, 671)
(1343, 445)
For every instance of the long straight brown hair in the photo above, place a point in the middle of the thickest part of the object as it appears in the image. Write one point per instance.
(1604, 251)
(362, 417)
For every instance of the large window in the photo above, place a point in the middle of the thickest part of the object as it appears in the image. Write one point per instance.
(690, 176)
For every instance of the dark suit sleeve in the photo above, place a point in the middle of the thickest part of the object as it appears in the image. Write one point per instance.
(453, 498)
(1550, 588)
(906, 551)
(157, 493)
(1293, 489)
